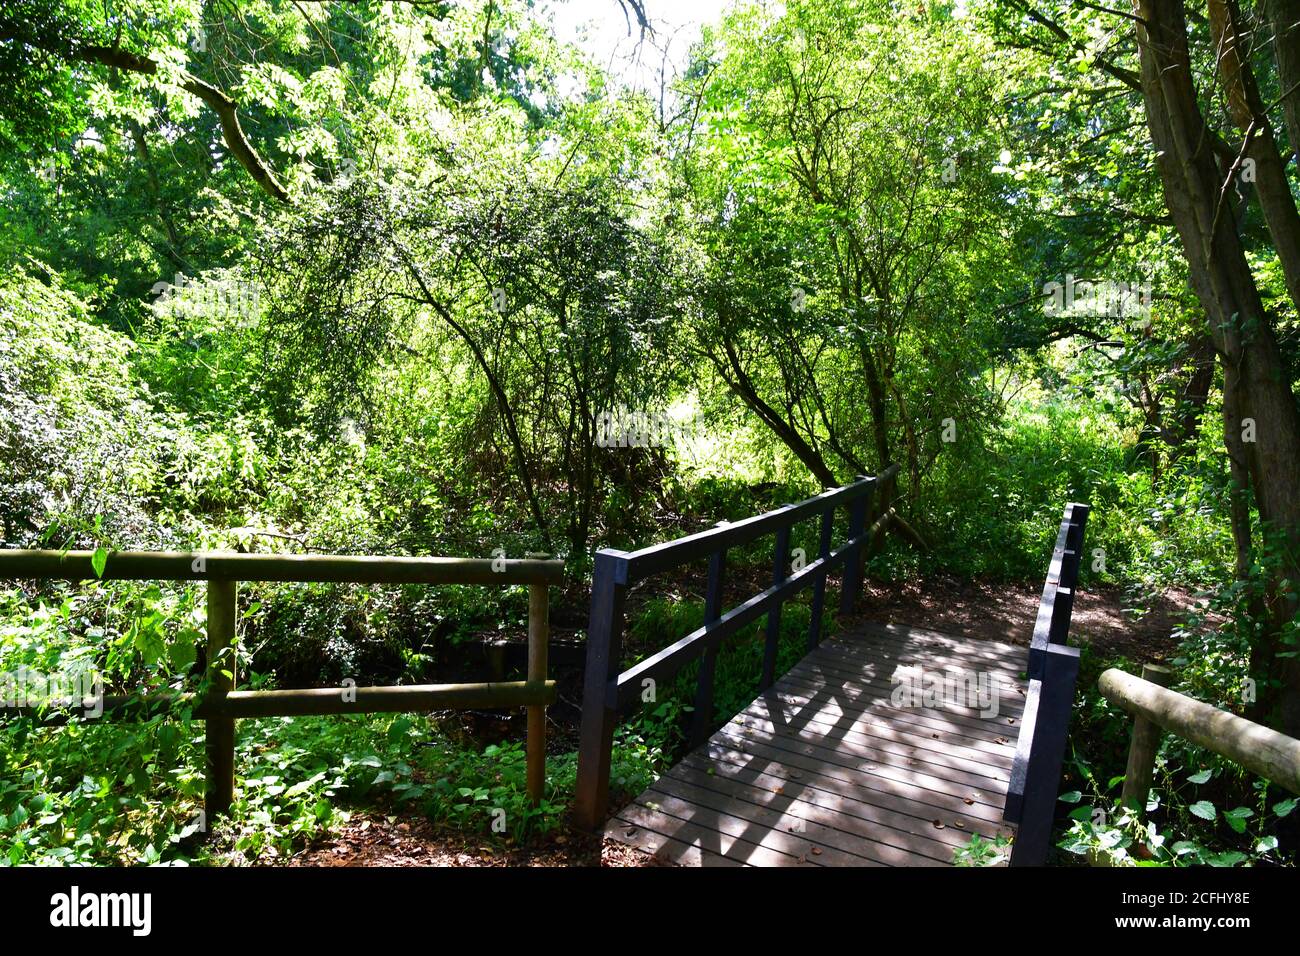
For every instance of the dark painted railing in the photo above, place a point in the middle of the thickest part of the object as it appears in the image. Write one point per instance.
(220, 705)
(607, 691)
(1052, 671)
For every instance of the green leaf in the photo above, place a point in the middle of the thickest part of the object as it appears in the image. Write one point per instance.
(1074, 796)
(1237, 818)
(1286, 806)
(98, 560)
(1203, 809)
(1266, 845)
(1201, 777)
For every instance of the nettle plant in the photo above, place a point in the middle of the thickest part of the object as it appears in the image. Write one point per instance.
(1109, 832)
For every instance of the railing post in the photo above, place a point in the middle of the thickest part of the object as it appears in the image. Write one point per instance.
(1055, 700)
(538, 636)
(819, 587)
(780, 561)
(1142, 748)
(708, 663)
(219, 790)
(852, 580)
(604, 646)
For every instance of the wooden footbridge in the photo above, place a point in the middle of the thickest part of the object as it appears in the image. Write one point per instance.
(884, 746)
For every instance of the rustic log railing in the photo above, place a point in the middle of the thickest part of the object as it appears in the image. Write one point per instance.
(221, 705)
(1272, 755)
(607, 691)
(1053, 670)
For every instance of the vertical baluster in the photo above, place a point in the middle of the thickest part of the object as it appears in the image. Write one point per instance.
(703, 721)
(780, 561)
(852, 580)
(819, 588)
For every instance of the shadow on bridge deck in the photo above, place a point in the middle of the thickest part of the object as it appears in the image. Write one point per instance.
(832, 767)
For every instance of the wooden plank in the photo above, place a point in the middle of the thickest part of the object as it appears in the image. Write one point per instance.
(840, 781)
(847, 762)
(870, 831)
(881, 740)
(919, 720)
(827, 846)
(872, 742)
(877, 700)
(723, 835)
(664, 847)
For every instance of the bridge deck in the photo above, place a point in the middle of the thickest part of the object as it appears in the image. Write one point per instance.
(826, 768)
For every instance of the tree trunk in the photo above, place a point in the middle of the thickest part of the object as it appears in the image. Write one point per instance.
(1241, 330)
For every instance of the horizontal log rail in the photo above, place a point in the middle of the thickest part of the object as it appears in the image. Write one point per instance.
(1271, 755)
(301, 568)
(608, 691)
(1052, 669)
(220, 705)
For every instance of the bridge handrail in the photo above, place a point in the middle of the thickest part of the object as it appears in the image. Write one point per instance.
(607, 690)
(1052, 669)
(221, 704)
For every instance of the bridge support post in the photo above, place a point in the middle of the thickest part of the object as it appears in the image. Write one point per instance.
(1051, 725)
(599, 708)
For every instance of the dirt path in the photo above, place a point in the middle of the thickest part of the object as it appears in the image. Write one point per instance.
(1103, 619)
(373, 839)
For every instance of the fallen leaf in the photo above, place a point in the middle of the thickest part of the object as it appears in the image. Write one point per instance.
(817, 851)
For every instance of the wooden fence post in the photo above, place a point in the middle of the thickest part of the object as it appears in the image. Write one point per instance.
(604, 646)
(219, 790)
(538, 636)
(1142, 748)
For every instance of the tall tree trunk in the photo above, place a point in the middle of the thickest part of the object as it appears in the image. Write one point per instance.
(1284, 16)
(1241, 330)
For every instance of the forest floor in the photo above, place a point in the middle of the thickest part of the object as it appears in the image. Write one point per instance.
(1109, 620)
(374, 839)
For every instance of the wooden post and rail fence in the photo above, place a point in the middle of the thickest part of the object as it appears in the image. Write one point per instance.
(220, 704)
(609, 690)
(1261, 750)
